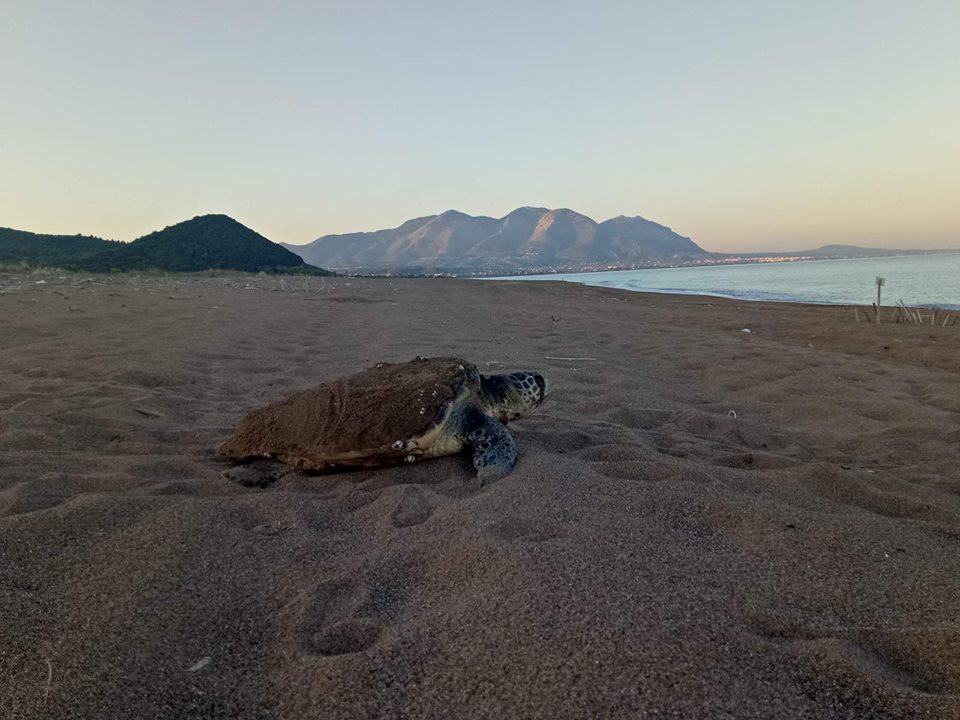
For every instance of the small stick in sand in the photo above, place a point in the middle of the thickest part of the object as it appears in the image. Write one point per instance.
(14, 407)
(554, 357)
(147, 413)
(907, 315)
(200, 664)
(46, 690)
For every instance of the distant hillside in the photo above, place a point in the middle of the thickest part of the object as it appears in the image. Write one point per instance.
(857, 251)
(832, 252)
(523, 240)
(208, 242)
(37, 249)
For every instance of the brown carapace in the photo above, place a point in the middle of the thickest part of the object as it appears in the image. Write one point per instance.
(388, 414)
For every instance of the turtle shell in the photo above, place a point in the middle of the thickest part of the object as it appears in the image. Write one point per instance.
(365, 419)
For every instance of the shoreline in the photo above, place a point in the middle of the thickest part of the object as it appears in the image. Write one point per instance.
(766, 288)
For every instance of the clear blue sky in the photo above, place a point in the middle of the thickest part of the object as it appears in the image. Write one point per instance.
(745, 125)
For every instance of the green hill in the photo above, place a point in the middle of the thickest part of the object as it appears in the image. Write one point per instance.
(208, 242)
(37, 249)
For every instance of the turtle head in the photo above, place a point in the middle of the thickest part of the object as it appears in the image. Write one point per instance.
(515, 395)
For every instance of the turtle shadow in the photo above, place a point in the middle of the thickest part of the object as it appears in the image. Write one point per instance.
(451, 476)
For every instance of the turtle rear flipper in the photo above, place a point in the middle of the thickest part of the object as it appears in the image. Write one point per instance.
(494, 452)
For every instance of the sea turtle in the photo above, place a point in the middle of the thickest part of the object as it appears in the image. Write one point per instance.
(385, 415)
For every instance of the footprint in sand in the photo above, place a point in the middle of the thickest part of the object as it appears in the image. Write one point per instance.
(330, 629)
(755, 461)
(348, 616)
(615, 452)
(342, 638)
(54, 489)
(871, 492)
(913, 660)
(257, 474)
(412, 509)
(651, 471)
(518, 529)
(639, 418)
(567, 441)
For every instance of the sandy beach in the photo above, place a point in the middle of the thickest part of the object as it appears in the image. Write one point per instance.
(703, 522)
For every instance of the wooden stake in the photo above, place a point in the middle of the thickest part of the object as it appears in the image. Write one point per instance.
(880, 283)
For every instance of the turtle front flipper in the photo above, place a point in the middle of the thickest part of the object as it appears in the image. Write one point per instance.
(494, 452)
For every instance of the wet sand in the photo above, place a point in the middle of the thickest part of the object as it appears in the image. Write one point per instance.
(703, 522)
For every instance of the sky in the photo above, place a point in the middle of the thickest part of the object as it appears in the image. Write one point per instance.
(747, 126)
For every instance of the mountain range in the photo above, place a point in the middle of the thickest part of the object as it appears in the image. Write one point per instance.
(526, 239)
(207, 242)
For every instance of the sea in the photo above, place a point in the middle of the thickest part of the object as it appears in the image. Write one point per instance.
(918, 280)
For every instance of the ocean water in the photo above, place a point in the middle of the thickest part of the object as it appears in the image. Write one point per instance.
(922, 280)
